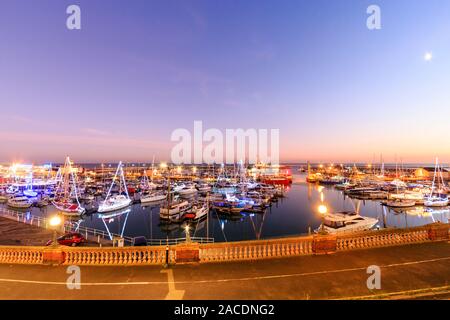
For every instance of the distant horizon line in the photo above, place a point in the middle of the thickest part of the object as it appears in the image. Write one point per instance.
(294, 163)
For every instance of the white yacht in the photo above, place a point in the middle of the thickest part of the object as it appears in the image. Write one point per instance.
(153, 197)
(114, 203)
(119, 201)
(67, 191)
(19, 202)
(341, 222)
(188, 190)
(438, 200)
(435, 198)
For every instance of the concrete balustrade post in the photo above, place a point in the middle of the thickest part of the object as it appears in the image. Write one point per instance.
(324, 244)
(438, 232)
(53, 256)
(187, 253)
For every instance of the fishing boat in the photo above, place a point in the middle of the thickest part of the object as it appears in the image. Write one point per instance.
(436, 198)
(118, 201)
(66, 195)
(19, 202)
(345, 221)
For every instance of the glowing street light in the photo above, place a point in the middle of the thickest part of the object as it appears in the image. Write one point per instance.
(322, 209)
(188, 235)
(54, 222)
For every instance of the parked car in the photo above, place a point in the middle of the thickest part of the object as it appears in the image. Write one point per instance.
(70, 239)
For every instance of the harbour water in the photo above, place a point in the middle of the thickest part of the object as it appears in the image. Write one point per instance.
(294, 214)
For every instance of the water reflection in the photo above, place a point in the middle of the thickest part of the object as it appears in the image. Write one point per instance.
(114, 219)
(294, 214)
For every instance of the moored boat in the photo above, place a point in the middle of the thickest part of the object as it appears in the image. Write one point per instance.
(19, 202)
(399, 203)
(66, 195)
(153, 197)
(118, 201)
(436, 198)
(168, 212)
(345, 221)
(197, 212)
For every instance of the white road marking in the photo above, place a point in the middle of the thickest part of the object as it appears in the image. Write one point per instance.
(226, 280)
(173, 294)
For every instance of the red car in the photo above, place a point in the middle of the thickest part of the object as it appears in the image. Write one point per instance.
(70, 239)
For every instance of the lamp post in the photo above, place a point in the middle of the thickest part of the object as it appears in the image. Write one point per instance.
(55, 221)
(188, 235)
(322, 209)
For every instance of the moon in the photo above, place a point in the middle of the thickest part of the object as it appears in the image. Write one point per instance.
(428, 56)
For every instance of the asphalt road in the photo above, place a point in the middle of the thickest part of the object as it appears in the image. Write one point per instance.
(340, 275)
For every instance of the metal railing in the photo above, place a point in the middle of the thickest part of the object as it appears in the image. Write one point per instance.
(92, 234)
(171, 242)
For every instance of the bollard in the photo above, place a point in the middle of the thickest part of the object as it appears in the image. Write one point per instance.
(167, 257)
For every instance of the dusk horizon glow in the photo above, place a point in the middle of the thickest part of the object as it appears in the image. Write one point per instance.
(117, 88)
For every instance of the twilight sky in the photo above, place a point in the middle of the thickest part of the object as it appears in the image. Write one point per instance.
(139, 69)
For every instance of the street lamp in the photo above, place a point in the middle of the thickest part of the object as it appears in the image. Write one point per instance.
(322, 209)
(55, 221)
(188, 235)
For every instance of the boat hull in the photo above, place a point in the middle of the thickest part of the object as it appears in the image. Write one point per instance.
(115, 207)
(153, 199)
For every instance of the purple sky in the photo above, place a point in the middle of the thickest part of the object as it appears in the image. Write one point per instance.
(139, 69)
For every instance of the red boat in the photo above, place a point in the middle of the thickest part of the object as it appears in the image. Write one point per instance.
(68, 207)
(277, 180)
